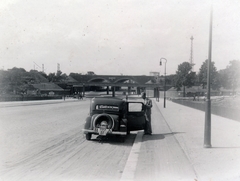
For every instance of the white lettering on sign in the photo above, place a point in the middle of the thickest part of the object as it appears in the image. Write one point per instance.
(115, 108)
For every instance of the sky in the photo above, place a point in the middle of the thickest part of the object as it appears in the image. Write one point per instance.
(116, 37)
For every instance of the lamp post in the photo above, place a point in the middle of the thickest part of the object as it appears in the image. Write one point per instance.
(207, 127)
(157, 88)
(164, 103)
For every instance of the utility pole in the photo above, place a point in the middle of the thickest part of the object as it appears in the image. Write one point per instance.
(207, 128)
(58, 67)
(165, 60)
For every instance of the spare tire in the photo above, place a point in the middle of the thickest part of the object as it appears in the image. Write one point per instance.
(103, 120)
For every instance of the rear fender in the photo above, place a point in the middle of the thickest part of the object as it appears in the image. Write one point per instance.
(88, 123)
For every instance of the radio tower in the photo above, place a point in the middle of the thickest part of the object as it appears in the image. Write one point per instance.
(58, 67)
(191, 54)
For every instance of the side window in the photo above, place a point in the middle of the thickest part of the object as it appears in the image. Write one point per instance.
(134, 107)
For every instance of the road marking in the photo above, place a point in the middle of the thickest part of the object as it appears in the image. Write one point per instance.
(130, 167)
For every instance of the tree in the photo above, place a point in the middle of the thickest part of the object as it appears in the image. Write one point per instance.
(184, 76)
(57, 77)
(223, 78)
(232, 75)
(43, 74)
(52, 77)
(214, 78)
(64, 76)
(13, 79)
(76, 76)
(3, 76)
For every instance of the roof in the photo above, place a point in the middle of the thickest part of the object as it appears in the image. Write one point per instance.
(47, 87)
(70, 79)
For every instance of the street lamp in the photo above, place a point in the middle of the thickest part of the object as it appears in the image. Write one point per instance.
(164, 103)
(207, 127)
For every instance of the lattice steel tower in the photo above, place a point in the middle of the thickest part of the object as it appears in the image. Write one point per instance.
(191, 54)
(58, 67)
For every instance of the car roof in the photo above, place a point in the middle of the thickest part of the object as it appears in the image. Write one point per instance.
(107, 100)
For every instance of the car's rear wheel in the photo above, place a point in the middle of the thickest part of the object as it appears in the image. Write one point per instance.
(88, 136)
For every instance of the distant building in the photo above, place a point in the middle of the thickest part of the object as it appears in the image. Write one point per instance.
(154, 74)
(48, 89)
(90, 73)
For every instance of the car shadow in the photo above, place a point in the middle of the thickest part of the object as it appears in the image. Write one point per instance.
(115, 140)
(153, 137)
(129, 140)
(159, 136)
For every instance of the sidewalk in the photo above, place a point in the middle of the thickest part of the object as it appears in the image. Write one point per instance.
(175, 150)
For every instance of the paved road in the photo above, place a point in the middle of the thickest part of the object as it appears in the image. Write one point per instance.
(44, 142)
(50, 149)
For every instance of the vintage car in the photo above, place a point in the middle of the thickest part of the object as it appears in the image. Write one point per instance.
(113, 116)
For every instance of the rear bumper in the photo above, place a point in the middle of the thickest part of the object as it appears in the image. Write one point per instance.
(86, 131)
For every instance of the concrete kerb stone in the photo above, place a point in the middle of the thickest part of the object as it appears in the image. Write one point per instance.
(131, 164)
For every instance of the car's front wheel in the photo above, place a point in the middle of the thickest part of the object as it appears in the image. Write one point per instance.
(88, 136)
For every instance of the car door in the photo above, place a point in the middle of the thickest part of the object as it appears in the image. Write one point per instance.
(135, 116)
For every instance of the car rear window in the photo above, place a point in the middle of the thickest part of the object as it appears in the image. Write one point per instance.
(135, 107)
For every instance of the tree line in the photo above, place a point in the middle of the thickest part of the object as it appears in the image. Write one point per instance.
(228, 78)
(18, 79)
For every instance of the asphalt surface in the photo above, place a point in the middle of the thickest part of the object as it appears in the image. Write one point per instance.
(43, 141)
(175, 151)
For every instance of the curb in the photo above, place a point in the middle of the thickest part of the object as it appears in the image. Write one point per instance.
(131, 164)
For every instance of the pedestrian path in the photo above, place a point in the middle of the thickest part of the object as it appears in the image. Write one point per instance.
(175, 151)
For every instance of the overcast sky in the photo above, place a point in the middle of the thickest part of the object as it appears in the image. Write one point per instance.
(113, 37)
